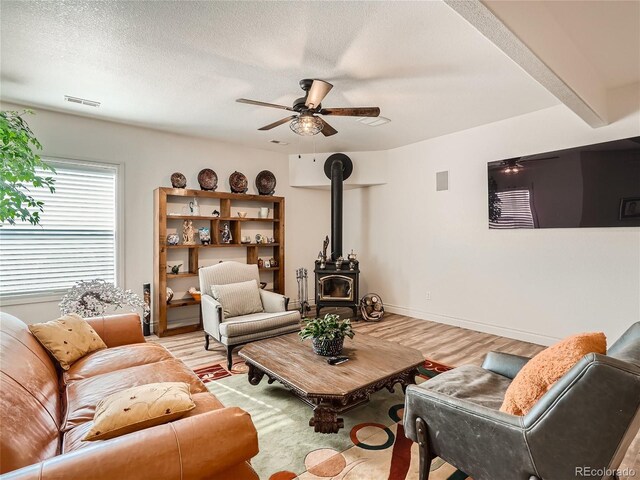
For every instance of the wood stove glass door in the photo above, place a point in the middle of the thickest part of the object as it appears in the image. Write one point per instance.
(336, 287)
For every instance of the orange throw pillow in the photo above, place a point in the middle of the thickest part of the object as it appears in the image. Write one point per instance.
(546, 368)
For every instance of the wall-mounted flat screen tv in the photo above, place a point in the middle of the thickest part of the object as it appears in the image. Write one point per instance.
(590, 186)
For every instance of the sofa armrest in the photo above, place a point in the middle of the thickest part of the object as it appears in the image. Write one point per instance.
(594, 408)
(189, 448)
(273, 302)
(212, 315)
(475, 438)
(504, 364)
(116, 330)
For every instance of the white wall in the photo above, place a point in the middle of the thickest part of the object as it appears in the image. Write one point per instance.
(149, 157)
(536, 285)
(307, 170)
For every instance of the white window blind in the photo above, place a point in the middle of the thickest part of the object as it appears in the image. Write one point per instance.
(515, 206)
(76, 238)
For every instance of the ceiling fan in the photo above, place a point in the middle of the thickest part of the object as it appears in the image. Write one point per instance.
(306, 122)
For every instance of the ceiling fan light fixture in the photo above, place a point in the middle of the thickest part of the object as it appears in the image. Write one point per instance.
(306, 125)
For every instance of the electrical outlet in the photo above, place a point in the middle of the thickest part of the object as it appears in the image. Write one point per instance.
(428, 295)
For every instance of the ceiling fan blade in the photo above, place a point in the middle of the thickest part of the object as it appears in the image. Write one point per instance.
(317, 92)
(279, 122)
(263, 104)
(327, 130)
(352, 112)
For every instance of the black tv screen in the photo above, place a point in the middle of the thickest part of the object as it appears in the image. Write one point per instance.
(590, 186)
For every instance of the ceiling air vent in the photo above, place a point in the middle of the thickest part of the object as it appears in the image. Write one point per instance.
(278, 142)
(81, 101)
(373, 121)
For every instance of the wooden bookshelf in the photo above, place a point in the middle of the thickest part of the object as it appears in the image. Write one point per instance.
(165, 196)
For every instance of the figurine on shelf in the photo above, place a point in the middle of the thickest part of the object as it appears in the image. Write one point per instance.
(273, 262)
(188, 233)
(339, 262)
(194, 208)
(175, 269)
(226, 234)
(260, 263)
(215, 213)
(321, 261)
(205, 235)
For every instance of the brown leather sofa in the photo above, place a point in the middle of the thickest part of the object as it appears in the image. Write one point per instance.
(45, 413)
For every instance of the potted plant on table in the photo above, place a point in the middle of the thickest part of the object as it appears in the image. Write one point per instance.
(327, 334)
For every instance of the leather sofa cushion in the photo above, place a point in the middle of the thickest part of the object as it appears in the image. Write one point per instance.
(68, 338)
(116, 358)
(138, 408)
(470, 383)
(546, 368)
(23, 359)
(237, 299)
(28, 434)
(73, 439)
(258, 322)
(82, 396)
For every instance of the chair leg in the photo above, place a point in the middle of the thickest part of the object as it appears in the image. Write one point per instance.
(423, 448)
(206, 341)
(229, 356)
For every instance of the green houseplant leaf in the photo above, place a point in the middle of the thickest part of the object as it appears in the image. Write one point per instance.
(328, 328)
(18, 170)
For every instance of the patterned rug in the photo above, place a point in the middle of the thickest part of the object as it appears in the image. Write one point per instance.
(371, 446)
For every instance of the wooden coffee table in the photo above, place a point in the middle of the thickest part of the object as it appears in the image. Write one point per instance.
(373, 364)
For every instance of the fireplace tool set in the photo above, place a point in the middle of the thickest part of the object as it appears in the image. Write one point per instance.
(303, 291)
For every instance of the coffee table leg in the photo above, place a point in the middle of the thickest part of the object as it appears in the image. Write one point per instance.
(325, 419)
(255, 374)
(411, 380)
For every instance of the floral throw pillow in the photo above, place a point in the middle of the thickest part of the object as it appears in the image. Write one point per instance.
(68, 338)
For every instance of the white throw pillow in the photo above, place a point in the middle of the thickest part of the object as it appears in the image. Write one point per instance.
(238, 298)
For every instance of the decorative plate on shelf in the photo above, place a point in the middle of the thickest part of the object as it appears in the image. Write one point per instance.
(208, 179)
(178, 180)
(266, 183)
(238, 183)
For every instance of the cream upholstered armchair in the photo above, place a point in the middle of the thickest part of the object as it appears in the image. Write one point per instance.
(273, 320)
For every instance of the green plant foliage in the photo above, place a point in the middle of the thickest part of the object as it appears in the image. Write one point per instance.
(328, 328)
(18, 170)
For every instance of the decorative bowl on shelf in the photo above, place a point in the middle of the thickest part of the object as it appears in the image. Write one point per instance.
(169, 295)
(197, 295)
(208, 180)
(173, 239)
(238, 182)
(242, 214)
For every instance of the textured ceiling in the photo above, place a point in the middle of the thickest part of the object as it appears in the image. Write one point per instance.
(179, 66)
(607, 33)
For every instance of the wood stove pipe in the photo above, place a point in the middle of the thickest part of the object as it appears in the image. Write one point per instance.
(338, 168)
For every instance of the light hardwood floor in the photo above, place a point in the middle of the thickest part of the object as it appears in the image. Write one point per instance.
(445, 344)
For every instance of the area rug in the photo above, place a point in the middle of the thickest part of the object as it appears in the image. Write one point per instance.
(371, 446)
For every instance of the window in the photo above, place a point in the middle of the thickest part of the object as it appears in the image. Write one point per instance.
(76, 238)
(515, 210)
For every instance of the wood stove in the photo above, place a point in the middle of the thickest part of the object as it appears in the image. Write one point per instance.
(337, 288)
(337, 279)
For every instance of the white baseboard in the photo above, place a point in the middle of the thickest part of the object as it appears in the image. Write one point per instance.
(474, 325)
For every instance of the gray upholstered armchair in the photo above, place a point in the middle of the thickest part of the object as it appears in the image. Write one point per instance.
(581, 428)
(274, 320)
